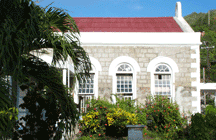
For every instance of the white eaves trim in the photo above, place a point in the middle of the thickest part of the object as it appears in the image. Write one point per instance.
(208, 86)
(137, 38)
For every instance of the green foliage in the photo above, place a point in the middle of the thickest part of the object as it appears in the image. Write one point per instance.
(165, 116)
(210, 110)
(199, 22)
(35, 126)
(203, 127)
(103, 116)
(9, 117)
(26, 28)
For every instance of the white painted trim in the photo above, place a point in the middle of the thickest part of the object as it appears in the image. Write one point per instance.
(96, 63)
(139, 38)
(172, 66)
(207, 86)
(46, 58)
(178, 9)
(123, 59)
(193, 65)
(180, 20)
(161, 59)
(193, 55)
(194, 84)
(194, 93)
(194, 103)
(193, 74)
(113, 69)
(197, 76)
(64, 76)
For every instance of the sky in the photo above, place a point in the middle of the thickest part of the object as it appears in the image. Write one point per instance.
(128, 8)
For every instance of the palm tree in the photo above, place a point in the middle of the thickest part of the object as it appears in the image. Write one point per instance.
(26, 27)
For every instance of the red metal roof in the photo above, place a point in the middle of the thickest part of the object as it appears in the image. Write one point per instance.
(137, 24)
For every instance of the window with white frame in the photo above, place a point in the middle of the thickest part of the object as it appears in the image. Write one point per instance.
(86, 91)
(162, 80)
(124, 81)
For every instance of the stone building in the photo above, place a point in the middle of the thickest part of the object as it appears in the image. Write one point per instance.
(138, 57)
(141, 56)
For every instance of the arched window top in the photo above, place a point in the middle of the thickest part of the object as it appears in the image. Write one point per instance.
(124, 68)
(162, 68)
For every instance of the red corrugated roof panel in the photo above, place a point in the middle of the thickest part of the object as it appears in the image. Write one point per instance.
(139, 24)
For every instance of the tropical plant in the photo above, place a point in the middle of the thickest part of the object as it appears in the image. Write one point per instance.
(26, 28)
(165, 116)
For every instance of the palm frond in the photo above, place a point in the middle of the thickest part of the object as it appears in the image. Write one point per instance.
(49, 76)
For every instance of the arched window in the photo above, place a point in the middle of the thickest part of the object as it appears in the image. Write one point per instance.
(162, 80)
(86, 89)
(124, 81)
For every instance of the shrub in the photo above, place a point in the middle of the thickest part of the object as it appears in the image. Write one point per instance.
(165, 116)
(95, 117)
(204, 126)
(198, 127)
(101, 113)
(119, 118)
(8, 118)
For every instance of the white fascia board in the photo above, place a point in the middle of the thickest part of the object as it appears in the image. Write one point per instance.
(208, 86)
(137, 38)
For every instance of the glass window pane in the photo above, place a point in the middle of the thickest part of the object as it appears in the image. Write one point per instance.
(126, 90)
(118, 90)
(156, 82)
(122, 90)
(130, 90)
(87, 90)
(91, 90)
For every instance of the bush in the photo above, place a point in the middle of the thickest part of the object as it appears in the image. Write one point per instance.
(204, 126)
(165, 116)
(8, 118)
(198, 127)
(120, 118)
(102, 116)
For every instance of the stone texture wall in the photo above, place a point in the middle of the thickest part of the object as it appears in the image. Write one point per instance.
(143, 55)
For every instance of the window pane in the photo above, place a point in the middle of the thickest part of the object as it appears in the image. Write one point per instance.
(86, 85)
(87, 90)
(162, 87)
(125, 84)
(156, 82)
(124, 67)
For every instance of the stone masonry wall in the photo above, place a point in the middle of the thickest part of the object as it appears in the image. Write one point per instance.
(143, 55)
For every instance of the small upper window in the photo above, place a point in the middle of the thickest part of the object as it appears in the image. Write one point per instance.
(162, 68)
(124, 68)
